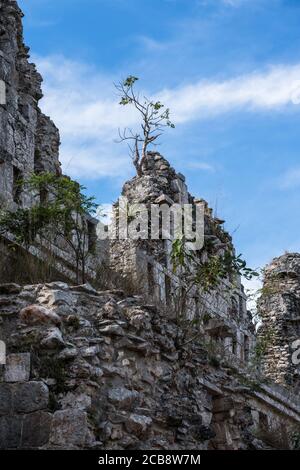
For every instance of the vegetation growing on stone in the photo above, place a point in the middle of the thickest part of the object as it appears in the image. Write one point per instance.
(155, 118)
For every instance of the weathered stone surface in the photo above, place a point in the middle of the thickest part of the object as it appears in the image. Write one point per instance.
(56, 297)
(112, 330)
(5, 399)
(80, 401)
(138, 424)
(30, 396)
(124, 373)
(53, 339)
(17, 368)
(35, 314)
(104, 388)
(10, 432)
(122, 397)
(148, 268)
(36, 429)
(69, 428)
(28, 140)
(10, 289)
(279, 309)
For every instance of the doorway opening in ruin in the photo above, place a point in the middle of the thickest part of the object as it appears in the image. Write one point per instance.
(246, 348)
(234, 345)
(197, 307)
(151, 283)
(233, 309)
(37, 161)
(263, 421)
(92, 236)
(168, 290)
(43, 196)
(241, 307)
(24, 110)
(17, 185)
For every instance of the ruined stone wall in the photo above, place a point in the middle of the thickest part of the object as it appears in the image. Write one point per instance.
(149, 264)
(29, 143)
(279, 309)
(28, 140)
(99, 370)
(88, 369)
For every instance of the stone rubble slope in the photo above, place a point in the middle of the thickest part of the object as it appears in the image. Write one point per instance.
(88, 369)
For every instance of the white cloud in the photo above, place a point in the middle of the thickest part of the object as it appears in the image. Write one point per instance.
(152, 45)
(105, 213)
(233, 3)
(275, 88)
(84, 105)
(290, 179)
(200, 166)
(253, 291)
(228, 3)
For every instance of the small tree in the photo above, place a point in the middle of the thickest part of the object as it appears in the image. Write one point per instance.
(61, 214)
(155, 118)
(194, 274)
(208, 274)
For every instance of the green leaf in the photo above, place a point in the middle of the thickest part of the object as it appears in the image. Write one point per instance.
(130, 81)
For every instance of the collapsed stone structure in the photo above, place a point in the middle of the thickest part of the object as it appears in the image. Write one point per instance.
(149, 261)
(279, 307)
(113, 369)
(99, 370)
(29, 140)
(30, 143)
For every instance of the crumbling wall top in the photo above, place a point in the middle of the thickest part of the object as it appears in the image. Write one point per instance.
(287, 265)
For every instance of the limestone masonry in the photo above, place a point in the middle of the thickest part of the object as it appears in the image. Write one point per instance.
(29, 141)
(90, 369)
(279, 306)
(108, 365)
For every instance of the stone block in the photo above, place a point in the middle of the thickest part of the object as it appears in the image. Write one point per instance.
(53, 339)
(10, 432)
(56, 297)
(122, 397)
(69, 428)
(30, 396)
(37, 315)
(113, 330)
(10, 289)
(80, 401)
(36, 429)
(222, 405)
(17, 368)
(5, 399)
(138, 425)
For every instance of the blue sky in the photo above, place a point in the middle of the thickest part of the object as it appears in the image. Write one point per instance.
(228, 69)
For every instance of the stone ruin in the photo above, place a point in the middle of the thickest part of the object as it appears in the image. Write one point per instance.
(104, 369)
(279, 307)
(149, 261)
(29, 140)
